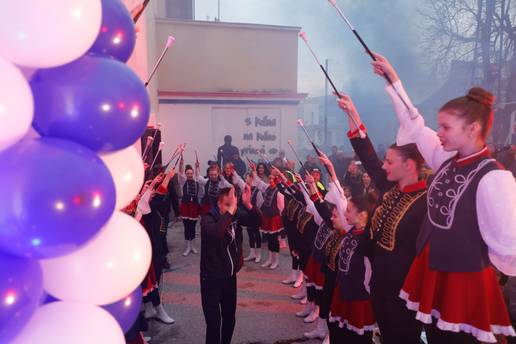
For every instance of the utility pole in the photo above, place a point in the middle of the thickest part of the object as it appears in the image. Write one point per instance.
(326, 107)
(218, 11)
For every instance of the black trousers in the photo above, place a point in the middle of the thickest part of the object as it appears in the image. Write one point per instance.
(314, 295)
(255, 240)
(327, 293)
(290, 230)
(397, 324)
(436, 336)
(272, 241)
(343, 335)
(219, 306)
(189, 229)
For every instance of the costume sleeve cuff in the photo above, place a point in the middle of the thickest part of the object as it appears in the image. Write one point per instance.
(352, 134)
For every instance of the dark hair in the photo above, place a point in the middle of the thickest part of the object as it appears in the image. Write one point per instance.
(223, 193)
(188, 167)
(411, 152)
(265, 169)
(365, 203)
(214, 168)
(475, 106)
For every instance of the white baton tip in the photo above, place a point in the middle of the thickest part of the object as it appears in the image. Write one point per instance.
(170, 41)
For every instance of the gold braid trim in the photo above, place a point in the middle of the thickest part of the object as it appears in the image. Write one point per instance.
(393, 208)
(302, 220)
(333, 247)
(292, 207)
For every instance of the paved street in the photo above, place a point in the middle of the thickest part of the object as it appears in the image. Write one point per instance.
(265, 311)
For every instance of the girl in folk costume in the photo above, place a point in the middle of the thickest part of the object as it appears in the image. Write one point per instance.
(470, 227)
(351, 312)
(153, 221)
(262, 172)
(294, 201)
(326, 238)
(394, 228)
(210, 187)
(272, 207)
(255, 240)
(189, 209)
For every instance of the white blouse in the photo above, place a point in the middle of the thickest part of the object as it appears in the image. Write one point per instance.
(496, 193)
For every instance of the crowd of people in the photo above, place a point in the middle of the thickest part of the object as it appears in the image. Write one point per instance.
(421, 237)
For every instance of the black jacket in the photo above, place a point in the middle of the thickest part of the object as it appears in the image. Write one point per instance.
(221, 240)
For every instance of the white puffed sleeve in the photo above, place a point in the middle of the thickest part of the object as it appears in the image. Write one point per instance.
(496, 212)
(335, 196)
(413, 130)
(310, 207)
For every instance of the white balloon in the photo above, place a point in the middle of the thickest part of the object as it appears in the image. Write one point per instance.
(126, 167)
(16, 104)
(70, 322)
(107, 268)
(48, 33)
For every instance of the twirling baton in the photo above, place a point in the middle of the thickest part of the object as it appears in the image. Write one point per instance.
(369, 52)
(161, 144)
(302, 34)
(319, 153)
(146, 151)
(295, 154)
(149, 142)
(140, 11)
(169, 43)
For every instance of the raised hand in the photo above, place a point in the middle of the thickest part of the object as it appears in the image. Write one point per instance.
(246, 197)
(382, 67)
(346, 104)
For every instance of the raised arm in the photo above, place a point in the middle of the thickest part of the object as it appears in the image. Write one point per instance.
(412, 125)
(363, 147)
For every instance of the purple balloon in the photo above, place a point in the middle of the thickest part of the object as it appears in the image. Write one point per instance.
(56, 195)
(97, 102)
(126, 310)
(21, 287)
(117, 35)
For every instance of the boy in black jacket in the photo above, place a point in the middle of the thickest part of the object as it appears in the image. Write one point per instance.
(221, 259)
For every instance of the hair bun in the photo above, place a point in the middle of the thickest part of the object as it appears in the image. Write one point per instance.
(478, 94)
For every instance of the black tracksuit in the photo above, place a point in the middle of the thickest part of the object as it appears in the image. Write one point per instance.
(221, 259)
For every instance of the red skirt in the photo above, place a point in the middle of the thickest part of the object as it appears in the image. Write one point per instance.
(149, 283)
(470, 302)
(357, 316)
(189, 211)
(271, 224)
(313, 275)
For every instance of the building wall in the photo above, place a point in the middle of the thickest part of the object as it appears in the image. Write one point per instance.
(203, 127)
(214, 57)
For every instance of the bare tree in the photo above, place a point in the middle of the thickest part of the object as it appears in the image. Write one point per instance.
(479, 32)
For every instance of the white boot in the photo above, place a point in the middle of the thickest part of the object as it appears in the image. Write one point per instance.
(193, 247)
(258, 254)
(163, 316)
(312, 316)
(268, 261)
(275, 260)
(149, 312)
(292, 278)
(303, 301)
(301, 294)
(188, 248)
(299, 280)
(309, 307)
(251, 255)
(319, 331)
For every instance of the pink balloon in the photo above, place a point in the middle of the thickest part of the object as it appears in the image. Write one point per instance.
(104, 270)
(69, 322)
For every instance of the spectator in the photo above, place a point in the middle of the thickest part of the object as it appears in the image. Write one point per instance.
(353, 179)
(226, 152)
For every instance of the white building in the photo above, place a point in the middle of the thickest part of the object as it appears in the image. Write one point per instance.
(221, 79)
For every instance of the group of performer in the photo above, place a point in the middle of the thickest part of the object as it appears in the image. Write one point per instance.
(420, 253)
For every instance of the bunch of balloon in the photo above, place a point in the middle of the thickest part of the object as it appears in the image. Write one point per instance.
(70, 110)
